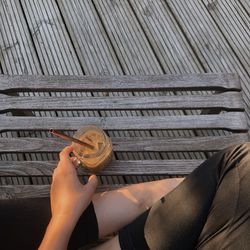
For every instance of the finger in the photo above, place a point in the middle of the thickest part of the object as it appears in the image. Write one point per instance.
(91, 186)
(93, 180)
(55, 171)
(64, 154)
(76, 162)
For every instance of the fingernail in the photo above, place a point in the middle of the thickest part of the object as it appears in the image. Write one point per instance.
(91, 177)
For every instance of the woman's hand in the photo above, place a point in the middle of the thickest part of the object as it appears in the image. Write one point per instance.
(69, 198)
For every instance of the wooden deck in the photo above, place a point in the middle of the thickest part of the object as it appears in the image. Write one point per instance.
(114, 37)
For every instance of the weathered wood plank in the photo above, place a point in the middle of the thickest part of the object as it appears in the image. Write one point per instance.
(224, 101)
(52, 42)
(170, 45)
(24, 191)
(90, 40)
(138, 167)
(208, 42)
(168, 41)
(18, 55)
(95, 52)
(50, 38)
(234, 23)
(120, 83)
(129, 41)
(39, 191)
(120, 144)
(228, 121)
(246, 4)
(84, 16)
(55, 52)
(135, 53)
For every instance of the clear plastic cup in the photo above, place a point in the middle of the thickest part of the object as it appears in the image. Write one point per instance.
(97, 158)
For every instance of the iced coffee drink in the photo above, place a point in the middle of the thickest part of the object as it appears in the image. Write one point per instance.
(96, 157)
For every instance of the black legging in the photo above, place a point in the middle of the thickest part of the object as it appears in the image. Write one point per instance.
(210, 209)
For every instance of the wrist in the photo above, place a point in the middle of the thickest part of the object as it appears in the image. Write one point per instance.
(58, 233)
(65, 221)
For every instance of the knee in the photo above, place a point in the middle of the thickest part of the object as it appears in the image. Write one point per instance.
(238, 148)
(237, 153)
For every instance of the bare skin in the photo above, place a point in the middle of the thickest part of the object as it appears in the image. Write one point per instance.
(69, 198)
(135, 198)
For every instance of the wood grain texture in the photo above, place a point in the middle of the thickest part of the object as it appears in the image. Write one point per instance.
(118, 38)
(96, 54)
(170, 45)
(18, 54)
(225, 101)
(90, 40)
(246, 4)
(166, 38)
(208, 41)
(234, 23)
(229, 121)
(36, 191)
(120, 83)
(138, 167)
(20, 57)
(123, 144)
(23, 191)
(50, 38)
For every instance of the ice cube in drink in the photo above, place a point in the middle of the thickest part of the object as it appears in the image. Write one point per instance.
(97, 157)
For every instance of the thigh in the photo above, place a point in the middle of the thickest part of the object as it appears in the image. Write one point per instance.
(228, 222)
(197, 210)
(184, 218)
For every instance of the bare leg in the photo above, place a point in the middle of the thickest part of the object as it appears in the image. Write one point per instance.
(117, 208)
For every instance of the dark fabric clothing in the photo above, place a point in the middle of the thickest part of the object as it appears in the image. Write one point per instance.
(132, 237)
(24, 222)
(210, 209)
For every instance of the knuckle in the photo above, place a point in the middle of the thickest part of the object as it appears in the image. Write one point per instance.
(61, 154)
(55, 171)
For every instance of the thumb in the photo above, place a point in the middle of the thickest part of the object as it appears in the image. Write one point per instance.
(91, 186)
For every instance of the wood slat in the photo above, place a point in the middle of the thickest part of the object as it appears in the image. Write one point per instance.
(228, 121)
(120, 83)
(234, 22)
(50, 38)
(208, 42)
(90, 40)
(24, 191)
(225, 101)
(123, 144)
(168, 41)
(116, 23)
(96, 55)
(18, 55)
(170, 44)
(246, 4)
(138, 167)
(39, 191)
(53, 42)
